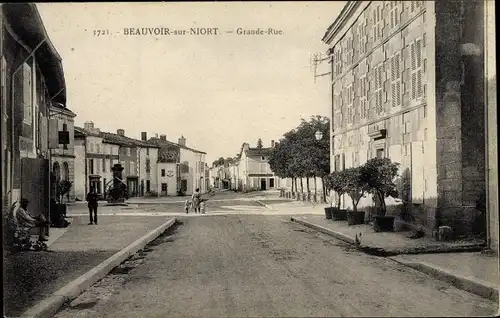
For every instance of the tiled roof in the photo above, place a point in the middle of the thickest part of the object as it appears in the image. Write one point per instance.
(115, 138)
(259, 151)
(161, 143)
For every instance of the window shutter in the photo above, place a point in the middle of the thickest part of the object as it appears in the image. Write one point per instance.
(393, 90)
(418, 52)
(419, 83)
(396, 18)
(396, 62)
(412, 56)
(398, 92)
(413, 85)
(393, 70)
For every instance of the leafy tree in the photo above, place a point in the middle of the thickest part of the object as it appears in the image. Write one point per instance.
(355, 185)
(63, 188)
(379, 175)
(336, 181)
(259, 143)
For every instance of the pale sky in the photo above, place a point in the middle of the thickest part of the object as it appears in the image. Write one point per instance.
(217, 91)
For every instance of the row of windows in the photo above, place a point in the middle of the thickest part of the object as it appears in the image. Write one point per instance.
(355, 99)
(96, 166)
(379, 16)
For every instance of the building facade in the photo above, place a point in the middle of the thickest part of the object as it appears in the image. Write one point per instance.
(190, 164)
(62, 149)
(254, 172)
(32, 78)
(407, 84)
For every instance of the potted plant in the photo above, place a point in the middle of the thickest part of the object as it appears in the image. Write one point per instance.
(336, 182)
(380, 174)
(355, 187)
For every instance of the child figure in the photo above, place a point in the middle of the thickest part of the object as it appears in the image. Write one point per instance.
(202, 207)
(187, 204)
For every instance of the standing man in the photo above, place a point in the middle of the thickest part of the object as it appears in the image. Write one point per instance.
(92, 204)
(195, 199)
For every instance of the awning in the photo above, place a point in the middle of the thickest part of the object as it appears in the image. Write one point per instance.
(26, 22)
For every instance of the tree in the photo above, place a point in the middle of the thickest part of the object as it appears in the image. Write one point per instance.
(379, 175)
(63, 188)
(336, 181)
(355, 185)
(259, 143)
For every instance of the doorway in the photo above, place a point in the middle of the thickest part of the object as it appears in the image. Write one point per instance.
(263, 184)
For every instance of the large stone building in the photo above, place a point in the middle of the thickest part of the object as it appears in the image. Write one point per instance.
(407, 83)
(32, 78)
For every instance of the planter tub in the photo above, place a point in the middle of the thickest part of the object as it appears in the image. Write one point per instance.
(354, 218)
(328, 213)
(339, 215)
(383, 223)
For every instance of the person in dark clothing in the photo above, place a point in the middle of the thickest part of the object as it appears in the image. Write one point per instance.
(92, 200)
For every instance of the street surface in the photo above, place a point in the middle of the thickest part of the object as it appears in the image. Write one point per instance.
(264, 265)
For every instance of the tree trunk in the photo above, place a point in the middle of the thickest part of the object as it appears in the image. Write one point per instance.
(354, 205)
(315, 186)
(292, 185)
(301, 185)
(307, 184)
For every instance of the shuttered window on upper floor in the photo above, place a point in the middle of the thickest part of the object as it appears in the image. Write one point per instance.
(416, 69)
(396, 91)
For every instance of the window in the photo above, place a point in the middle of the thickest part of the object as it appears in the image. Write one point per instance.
(131, 168)
(97, 164)
(396, 80)
(27, 94)
(380, 153)
(148, 165)
(363, 95)
(349, 91)
(91, 147)
(262, 158)
(378, 86)
(128, 151)
(91, 166)
(98, 148)
(148, 186)
(164, 187)
(416, 69)
(103, 165)
(271, 183)
(378, 21)
(65, 128)
(395, 12)
(162, 172)
(415, 5)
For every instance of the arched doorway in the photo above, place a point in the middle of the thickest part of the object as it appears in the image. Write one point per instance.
(65, 172)
(56, 171)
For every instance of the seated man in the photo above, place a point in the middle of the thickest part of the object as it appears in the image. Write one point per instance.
(25, 221)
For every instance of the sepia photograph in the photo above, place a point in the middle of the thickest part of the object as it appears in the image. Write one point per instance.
(249, 159)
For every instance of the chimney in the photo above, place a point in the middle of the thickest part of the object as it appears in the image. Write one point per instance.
(182, 141)
(272, 143)
(246, 146)
(88, 125)
(156, 135)
(144, 136)
(163, 137)
(120, 132)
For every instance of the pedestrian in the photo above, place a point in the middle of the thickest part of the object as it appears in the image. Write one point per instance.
(196, 198)
(92, 204)
(26, 221)
(186, 206)
(202, 207)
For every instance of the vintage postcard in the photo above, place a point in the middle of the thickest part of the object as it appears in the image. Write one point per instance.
(249, 159)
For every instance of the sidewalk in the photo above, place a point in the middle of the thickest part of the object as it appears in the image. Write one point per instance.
(33, 276)
(473, 271)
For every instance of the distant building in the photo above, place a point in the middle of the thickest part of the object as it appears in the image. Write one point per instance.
(407, 83)
(189, 171)
(62, 159)
(254, 172)
(97, 153)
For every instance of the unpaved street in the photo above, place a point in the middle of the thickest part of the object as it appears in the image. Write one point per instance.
(250, 265)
